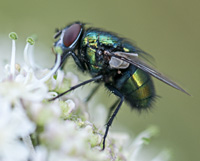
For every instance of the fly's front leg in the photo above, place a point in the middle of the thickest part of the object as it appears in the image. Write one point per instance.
(64, 57)
(97, 78)
(78, 62)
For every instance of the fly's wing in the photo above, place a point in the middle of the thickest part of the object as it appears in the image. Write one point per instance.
(146, 56)
(141, 54)
(146, 68)
(118, 63)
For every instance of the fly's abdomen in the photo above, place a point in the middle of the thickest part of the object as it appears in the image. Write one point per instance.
(138, 90)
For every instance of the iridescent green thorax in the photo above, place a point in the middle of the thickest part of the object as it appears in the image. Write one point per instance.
(92, 47)
(96, 38)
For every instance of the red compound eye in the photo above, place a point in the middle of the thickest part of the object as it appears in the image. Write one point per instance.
(71, 34)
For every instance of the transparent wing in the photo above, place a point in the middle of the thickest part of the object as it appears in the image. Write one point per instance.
(146, 68)
(141, 54)
(146, 57)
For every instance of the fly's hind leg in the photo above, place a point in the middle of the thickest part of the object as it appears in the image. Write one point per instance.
(112, 108)
(109, 123)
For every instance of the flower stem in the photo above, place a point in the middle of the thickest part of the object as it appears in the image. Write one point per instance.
(12, 63)
(26, 54)
(28, 57)
(13, 36)
(55, 68)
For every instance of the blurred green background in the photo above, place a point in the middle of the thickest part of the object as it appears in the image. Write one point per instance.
(169, 30)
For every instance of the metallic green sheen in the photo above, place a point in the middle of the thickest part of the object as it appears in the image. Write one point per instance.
(108, 40)
(138, 89)
(92, 40)
(91, 55)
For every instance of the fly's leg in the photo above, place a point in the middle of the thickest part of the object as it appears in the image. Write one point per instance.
(109, 123)
(76, 60)
(112, 108)
(78, 85)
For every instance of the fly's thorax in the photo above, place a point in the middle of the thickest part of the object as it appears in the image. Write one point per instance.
(93, 46)
(98, 38)
(95, 62)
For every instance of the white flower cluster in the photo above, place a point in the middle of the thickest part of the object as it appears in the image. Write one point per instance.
(34, 129)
